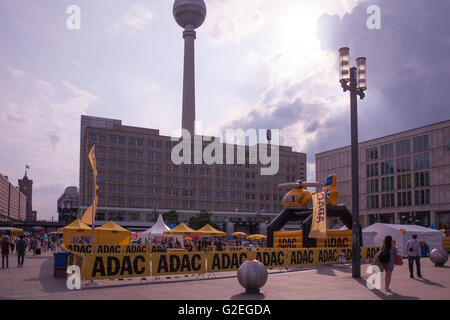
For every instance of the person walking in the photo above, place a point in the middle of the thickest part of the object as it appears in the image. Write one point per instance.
(11, 244)
(5, 252)
(387, 258)
(414, 253)
(21, 245)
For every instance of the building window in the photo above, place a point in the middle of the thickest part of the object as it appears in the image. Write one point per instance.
(422, 179)
(93, 137)
(387, 200)
(422, 197)
(420, 143)
(121, 140)
(402, 147)
(387, 167)
(403, 164)
(132, 141)
(404, 199)
(387, 184)
(372, 186)
(404, 181)
(372, 170)
(371, 154)
(373, 202)
(421, 161)
(140, 142)
(113, 139)
(387, 151)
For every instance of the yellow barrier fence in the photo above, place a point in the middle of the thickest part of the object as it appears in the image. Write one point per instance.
(178, 263)
(126, 262)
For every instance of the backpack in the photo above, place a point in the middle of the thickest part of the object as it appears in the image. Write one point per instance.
(385, 256)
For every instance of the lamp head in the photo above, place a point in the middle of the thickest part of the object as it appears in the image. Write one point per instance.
(344, 64)
(361, 79)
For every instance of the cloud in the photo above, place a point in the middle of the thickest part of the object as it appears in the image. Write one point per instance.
(42, 122)
(232, 21)
(407, 61)
(15, 73)
(137, 19)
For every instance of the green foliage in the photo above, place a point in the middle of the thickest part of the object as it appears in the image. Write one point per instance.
(171, 217)
(200, 220)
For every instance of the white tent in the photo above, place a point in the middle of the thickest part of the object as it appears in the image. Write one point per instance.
(157, 230)
(368, 237)
(402, 233)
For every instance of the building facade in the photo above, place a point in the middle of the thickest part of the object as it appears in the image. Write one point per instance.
(403, 178)
(12, 201)
(137, 178)
(67, 205)
(26, 187)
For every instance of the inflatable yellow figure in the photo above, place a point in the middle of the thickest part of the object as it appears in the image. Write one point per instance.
(300, 197)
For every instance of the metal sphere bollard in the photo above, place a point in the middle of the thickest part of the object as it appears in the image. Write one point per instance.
(252, 275)
(439, 257)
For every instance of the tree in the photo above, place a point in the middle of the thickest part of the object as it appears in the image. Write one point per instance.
(200, 220)
(171, 217)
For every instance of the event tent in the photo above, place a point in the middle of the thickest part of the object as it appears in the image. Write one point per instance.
(210, 231)
(111, 233)
(402, 233)
(157, 229)
(368, 239)
(180, 229)
(76, 231)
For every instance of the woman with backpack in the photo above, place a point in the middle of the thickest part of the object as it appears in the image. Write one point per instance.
(387, 258)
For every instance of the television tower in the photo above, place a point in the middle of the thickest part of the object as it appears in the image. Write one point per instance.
(189, 14)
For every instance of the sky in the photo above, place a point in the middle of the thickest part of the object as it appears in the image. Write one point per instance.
(259, 64)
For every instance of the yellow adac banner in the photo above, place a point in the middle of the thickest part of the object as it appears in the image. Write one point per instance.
(336, 238)
(219, 261)
(287, 239)
(319, 220)
(113, 266)
(178, 263)
(271, 259)
(89, 214)
(109, 249)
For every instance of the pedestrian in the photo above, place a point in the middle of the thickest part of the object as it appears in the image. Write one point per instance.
(424, 249)
(387, 258)
(21, 245)
(342, 259)
(12, 246)
(414, 253)
(5, 252)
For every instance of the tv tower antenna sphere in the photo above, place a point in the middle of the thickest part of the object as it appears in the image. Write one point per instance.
(189, 12)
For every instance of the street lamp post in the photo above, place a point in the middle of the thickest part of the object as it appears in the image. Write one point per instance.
(354, 80)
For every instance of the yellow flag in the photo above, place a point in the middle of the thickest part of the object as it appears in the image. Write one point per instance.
(93, 162)
(89, 214)
(319, 220)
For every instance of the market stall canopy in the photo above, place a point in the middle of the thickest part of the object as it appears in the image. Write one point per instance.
(401, 233)
(76, 229)
(257, 237)
(157, 230)
(208, 230)
(112, 233)
(239, 234)
(180, 229)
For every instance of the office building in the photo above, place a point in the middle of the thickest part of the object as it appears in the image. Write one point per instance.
(137, 178)
(403, 178)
